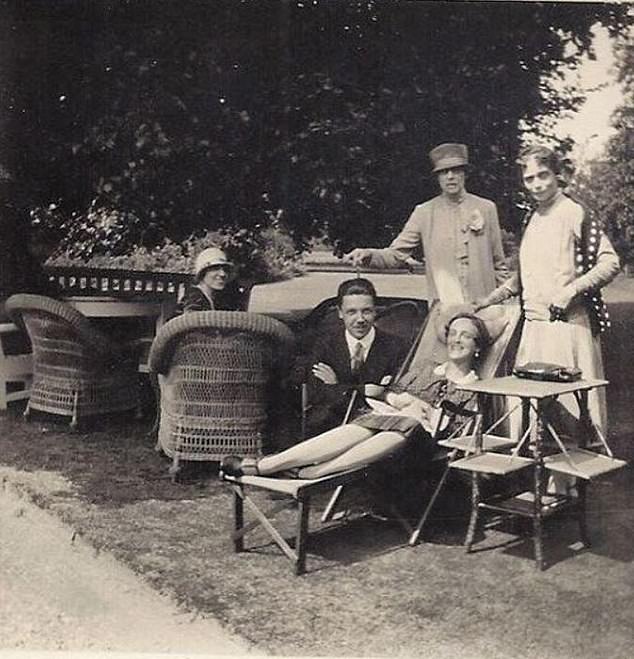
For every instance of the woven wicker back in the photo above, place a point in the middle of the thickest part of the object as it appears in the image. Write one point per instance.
(219, 370)
(57, 346)
(77, 371)
(24, 305)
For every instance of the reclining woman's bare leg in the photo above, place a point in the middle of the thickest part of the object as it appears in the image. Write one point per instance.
(326, 446)
(365, 452)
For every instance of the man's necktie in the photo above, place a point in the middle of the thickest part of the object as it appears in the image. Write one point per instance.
(356, 362)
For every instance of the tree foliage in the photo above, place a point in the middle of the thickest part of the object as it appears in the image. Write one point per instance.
(137, 120)
(608, 185)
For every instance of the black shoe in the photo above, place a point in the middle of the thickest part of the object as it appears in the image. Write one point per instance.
(231, 465)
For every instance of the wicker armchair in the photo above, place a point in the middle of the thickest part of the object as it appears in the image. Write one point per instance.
(77, 370)
(217, 368)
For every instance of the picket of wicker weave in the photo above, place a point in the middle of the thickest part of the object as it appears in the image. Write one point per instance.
(217, 368)
(77, 370)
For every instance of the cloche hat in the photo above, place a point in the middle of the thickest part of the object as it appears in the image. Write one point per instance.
(448, 155)
(207, 259)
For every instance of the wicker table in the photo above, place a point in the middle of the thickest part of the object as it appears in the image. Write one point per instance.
(535, 397)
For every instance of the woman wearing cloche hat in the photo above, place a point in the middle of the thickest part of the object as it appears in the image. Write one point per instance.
(458, 231)
(213, 273)
(460, 236)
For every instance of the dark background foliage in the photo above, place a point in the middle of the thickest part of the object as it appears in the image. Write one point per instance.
(127, 122)
(608, 185)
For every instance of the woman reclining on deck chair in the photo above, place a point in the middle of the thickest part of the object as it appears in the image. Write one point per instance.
(412, 407)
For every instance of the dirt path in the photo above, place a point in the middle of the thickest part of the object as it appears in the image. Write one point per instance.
(59, 595)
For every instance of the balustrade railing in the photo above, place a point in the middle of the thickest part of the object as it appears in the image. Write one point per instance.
(78, 280)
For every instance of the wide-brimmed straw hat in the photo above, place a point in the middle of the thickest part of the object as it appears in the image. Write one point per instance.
(208, 258)
(448, 156)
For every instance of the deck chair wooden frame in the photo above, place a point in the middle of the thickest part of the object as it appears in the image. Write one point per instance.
(297, 492)
(302, 491)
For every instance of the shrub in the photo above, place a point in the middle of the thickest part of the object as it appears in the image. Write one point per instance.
(261, 255)
(510, 242)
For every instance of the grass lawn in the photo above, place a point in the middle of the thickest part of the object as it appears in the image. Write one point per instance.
(365, 592)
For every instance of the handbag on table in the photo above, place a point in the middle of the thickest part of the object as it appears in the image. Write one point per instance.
(547, 372)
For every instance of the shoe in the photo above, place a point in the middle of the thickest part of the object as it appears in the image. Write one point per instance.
(289, 473)
(231, 465)
(234, 465)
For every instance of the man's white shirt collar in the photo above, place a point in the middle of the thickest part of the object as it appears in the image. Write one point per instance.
(366, 342)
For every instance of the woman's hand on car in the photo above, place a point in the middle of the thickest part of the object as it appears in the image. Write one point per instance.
(359, 256)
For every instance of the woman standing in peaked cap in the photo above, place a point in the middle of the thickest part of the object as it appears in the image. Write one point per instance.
(460, 237)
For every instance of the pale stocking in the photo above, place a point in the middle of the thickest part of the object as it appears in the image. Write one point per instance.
(365, 452)
(324, 447)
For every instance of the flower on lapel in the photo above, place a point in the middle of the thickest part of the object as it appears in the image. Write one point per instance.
(476, 222)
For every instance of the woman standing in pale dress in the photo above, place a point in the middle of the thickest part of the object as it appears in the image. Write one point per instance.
(564, 261)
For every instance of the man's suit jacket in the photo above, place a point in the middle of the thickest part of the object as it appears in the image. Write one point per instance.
(329, 402)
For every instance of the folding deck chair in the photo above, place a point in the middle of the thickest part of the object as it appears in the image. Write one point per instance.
(302, 490)
(402, 317)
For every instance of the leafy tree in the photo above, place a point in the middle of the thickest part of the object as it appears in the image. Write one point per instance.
(608, 185)
(133, 121)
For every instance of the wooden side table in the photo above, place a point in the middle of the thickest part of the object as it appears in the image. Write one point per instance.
(536, 397)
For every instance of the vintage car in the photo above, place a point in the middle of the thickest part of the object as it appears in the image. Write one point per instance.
(298, 302)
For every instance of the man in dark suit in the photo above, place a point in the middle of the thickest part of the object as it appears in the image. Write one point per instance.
(357, 354)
